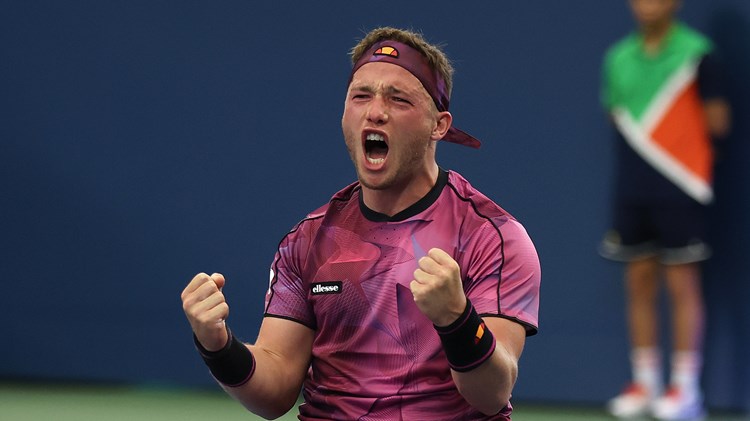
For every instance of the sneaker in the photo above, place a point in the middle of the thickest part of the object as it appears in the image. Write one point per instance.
(634, 401)
(678, 405)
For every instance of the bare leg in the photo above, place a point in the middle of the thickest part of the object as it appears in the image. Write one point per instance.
(642, 287)
(686, 298)
(642, 283)
(688, 314)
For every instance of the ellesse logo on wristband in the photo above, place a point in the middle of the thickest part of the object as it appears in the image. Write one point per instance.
(333, 287)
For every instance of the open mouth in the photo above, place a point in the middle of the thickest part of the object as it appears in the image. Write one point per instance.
(376, 148)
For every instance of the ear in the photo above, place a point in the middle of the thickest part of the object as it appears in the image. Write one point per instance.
(442, 124)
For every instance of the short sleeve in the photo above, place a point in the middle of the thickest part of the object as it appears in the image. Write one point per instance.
(287, 295)
(505, 279)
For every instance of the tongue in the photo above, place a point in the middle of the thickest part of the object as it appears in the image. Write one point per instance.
(377, 151)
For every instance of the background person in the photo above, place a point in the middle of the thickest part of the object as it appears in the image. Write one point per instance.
(663, 88)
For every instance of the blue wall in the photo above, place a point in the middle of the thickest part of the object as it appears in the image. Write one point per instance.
(144, 141)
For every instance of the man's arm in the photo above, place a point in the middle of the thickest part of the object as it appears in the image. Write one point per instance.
(714, 90)
(282, 356)
(484, 380)
(489, 386)
(281, 353)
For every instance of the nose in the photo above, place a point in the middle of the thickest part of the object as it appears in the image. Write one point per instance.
(377, 112)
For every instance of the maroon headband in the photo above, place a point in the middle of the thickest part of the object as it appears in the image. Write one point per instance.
(402, 55)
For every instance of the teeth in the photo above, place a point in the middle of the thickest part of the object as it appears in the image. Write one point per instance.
(375, 137)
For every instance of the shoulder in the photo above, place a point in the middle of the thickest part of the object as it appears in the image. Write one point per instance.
(622, 49)
(484, 220)
(692, 34)
(343, 198)
(477, 202)
(690, 41)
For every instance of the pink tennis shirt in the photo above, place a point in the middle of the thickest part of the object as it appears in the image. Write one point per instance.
(344, 271)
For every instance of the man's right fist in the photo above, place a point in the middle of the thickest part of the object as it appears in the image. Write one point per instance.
(206, 310)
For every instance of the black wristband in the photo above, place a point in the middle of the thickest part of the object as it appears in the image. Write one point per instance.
(232, 365)
(467, 342)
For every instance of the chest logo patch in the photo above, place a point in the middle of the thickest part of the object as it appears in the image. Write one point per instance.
(332, 287)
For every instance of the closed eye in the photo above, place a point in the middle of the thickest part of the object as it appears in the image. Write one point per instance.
(361, 96)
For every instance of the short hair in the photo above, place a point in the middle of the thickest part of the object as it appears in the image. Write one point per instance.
(436, 58)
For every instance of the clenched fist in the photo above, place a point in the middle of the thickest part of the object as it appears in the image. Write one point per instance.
(437, 288)
(206, 310)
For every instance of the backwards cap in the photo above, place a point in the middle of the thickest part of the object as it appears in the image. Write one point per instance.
(416, 63)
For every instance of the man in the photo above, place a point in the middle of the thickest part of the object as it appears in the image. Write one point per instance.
(662, 87)
(409, 295)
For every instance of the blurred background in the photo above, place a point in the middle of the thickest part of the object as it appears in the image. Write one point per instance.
(142, 142)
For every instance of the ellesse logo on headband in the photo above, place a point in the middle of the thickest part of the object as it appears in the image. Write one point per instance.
(332, 287)
(386, 51)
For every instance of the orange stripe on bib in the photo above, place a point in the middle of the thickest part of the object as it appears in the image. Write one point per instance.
(682, 134)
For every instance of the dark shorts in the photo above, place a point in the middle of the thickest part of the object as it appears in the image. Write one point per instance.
(675, 233)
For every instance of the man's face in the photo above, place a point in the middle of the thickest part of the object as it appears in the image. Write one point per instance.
(388, 124)
(653, 12)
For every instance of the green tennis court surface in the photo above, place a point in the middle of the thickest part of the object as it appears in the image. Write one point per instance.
(57, 402)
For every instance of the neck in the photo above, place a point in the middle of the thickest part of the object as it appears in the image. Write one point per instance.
(392, 200)
(654, 34)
